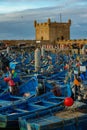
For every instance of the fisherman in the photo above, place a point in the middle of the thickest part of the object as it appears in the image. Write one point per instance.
(16, 79)
(11, 85)
(56, 89)
(76, 86)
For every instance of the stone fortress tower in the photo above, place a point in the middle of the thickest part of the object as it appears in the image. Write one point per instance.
(52, 31)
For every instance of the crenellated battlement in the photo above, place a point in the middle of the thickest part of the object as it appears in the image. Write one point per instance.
(36, 24)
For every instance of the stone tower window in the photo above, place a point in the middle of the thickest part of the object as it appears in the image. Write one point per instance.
(42, 38)
(62, 38)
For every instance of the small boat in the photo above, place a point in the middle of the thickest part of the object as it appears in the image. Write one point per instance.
(52, 120)
(58, 75)
(9, 114)
(26, 90)
(32, 88)
(39, 120)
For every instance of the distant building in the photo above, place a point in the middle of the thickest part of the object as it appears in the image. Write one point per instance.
(52, 30)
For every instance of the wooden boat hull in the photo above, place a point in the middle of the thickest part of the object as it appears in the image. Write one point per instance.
(9, 115)
(46, 120)
(55, 123)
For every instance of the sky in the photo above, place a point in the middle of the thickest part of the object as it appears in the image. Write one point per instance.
(17, 17)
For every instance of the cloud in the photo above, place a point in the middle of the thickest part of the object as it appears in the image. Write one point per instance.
(20, 25)
(19, 5)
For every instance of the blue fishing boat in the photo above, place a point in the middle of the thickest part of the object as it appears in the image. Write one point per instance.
(58, 75)
(35, 87)
(9, 114)
(26, 113)
(26, 90)
(39, 120)
(49, 120)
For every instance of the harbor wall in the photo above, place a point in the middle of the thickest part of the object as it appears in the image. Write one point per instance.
(60, 45)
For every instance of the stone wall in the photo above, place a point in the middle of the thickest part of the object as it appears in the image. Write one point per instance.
(33, 42)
